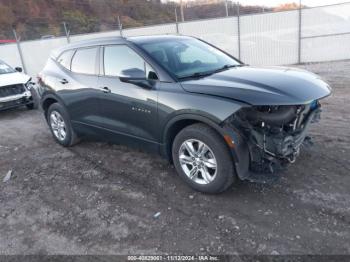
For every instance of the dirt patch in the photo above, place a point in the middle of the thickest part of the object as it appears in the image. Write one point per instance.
(98, 198)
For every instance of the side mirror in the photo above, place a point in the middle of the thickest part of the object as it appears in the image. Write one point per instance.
(144, 83)
(152, 75)
(19, 69)
(137, 77)
(133, 73)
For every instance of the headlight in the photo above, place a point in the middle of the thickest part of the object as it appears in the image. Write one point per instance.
(29, 84)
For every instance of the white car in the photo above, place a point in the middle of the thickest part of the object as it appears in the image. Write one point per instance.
(16, 88)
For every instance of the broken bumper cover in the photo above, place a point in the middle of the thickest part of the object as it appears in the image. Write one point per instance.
(261, 157)
(287, 147)
(15, 100)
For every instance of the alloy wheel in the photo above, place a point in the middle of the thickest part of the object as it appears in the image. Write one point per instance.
(198, 161)
(58, 125)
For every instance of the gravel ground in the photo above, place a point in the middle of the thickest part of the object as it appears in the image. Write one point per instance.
(97, 198)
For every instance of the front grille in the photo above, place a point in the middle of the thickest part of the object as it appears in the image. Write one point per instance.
(11, 90)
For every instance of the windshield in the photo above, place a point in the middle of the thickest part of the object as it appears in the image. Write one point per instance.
(189, 57)
(5, 69)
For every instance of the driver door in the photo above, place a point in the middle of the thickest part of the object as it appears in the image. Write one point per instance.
(128, 111)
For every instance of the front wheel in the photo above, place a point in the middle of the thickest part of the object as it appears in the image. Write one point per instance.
(202, 159)
(30, 106)
(35, 100)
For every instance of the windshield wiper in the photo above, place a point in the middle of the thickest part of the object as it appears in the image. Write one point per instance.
(197, 75)
(225, 67)
(208, 73)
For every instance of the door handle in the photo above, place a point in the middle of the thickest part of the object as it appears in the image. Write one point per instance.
(64, 81)
(105, 89)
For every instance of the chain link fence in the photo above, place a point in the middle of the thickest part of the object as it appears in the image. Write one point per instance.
(255, 35)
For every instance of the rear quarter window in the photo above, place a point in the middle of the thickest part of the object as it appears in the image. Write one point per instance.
(84, 61)
(65, 59)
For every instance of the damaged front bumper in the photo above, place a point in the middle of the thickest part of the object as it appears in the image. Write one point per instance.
(286, 147)
(15, 100)
(262, 150)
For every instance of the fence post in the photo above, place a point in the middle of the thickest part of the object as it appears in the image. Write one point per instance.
(226, 8)
(239, 30)
(176, 21)
(120, 25)
(182, 11)
(19, 50)
(299, 33)
(67, 32)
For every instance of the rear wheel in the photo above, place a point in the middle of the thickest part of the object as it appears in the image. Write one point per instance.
(202, 159)
(60, 125)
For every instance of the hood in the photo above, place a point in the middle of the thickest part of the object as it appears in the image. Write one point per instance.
(262, 86)
(13, 79)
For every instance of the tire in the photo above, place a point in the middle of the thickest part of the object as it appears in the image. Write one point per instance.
(58, 112)
(30, 106)
(35, 97)
(212, 180)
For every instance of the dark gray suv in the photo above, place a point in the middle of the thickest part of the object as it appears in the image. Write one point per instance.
(214, 117)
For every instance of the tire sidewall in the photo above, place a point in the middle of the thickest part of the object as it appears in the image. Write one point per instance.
(30, 106)
(225, 167)
(63, 112)
(35, 98)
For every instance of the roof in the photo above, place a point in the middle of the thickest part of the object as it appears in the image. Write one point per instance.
(155, 38)
(114, 40)
(84, 43)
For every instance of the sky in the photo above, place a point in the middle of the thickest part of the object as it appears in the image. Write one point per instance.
(278, 2)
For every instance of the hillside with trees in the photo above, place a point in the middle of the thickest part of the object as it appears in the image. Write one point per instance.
(33, 19)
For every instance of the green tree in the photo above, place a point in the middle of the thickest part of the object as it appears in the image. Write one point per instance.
(79, 22)
(7, 20)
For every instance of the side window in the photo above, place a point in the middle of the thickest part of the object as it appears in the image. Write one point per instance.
(65, 59)
(84, 61)
(121, 60)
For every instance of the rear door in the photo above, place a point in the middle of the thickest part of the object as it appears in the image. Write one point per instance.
(79, 86)
(128, 110)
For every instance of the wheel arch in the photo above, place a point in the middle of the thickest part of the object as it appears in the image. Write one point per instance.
(176, 124)
(49, 99)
